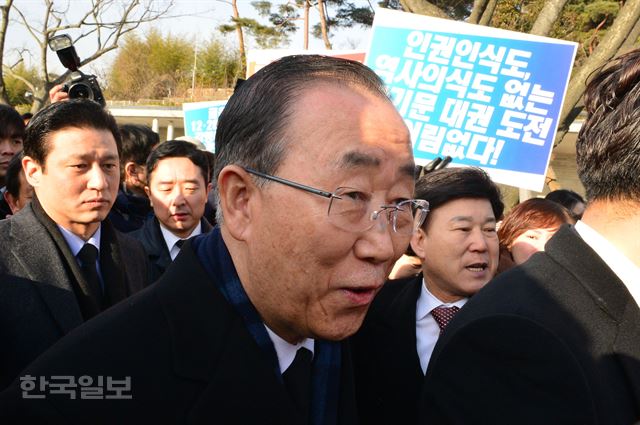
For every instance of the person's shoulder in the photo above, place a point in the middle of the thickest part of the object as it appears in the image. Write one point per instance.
(394, 288)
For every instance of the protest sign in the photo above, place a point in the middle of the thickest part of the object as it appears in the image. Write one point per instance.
(201, 120)
(486, 97)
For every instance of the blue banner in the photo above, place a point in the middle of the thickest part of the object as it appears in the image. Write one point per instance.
(201, 121)
(486, 97)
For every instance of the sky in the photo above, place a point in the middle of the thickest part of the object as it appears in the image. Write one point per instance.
(193, 18)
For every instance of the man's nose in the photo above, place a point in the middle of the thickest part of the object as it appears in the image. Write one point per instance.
(178, 196)
(478, 241)
(97, 178)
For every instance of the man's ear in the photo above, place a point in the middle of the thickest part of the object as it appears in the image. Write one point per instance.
(32, 171)
(237, 191)
(11, 201)
(131, 171)
(418, 242)
(148, 192)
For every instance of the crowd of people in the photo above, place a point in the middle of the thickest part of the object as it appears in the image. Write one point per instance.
(146, 282)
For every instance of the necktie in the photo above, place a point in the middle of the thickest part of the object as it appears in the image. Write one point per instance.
(180, 243)
(443, 315)
(297, 380)
(88, 256)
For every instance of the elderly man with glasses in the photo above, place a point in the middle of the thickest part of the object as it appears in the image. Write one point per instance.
(315, 180)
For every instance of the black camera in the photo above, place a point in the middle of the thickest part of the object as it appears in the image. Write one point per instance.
(79, 85)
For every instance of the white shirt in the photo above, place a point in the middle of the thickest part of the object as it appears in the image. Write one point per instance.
(170, 239)
(76, 243)
(286, 351)
(622, 266)
(427, 329)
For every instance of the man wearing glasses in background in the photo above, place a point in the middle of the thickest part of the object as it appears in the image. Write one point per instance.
(315, 177)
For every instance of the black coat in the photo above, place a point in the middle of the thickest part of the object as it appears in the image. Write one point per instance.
(554, 341)
(38, 304)
(155, 246)
(386, 363)
(188, 353)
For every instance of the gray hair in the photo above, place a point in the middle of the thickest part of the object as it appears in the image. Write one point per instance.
(251, 127)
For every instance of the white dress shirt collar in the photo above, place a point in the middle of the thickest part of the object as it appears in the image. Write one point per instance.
(427, 302)
(170, 239)
(622, 266)
(286, 351)
(427, 329)
(76, 243)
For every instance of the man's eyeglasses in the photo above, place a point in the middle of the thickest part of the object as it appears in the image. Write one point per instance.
(350, 209)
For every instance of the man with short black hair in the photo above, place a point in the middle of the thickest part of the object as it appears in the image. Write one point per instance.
(458, 249)
(11, 136)
(178, 186)
(132, 208)
(61, 262)
(18, 191)
(247, 324)
(556, 340)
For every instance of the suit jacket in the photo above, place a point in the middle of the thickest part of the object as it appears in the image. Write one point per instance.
(386, 363)
(190, 358)
(154, 244)
(38, 304)
(553, 341)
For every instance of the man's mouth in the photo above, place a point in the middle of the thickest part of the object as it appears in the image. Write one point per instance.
(477, 267)
(361, 295)
(96, 201)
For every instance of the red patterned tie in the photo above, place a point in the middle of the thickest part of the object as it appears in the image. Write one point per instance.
(443, 315)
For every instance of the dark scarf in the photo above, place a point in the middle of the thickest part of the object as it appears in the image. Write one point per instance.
(215, 258)
(111, 265)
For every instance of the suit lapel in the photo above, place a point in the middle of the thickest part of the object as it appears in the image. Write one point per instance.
(42, 262)
(399, 329)
(157, 245)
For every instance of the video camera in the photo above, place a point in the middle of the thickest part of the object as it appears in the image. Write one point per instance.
(79, 85)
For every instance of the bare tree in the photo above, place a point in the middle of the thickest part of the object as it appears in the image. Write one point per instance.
(547, 17)
(106, 22)
(4, 23)
(323, 24)
(616, 36)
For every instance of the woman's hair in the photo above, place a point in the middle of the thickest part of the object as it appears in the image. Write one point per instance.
(535, 213)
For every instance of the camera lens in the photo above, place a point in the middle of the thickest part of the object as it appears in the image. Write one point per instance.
(80, 90)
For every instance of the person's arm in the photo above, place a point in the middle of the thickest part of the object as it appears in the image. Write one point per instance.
(505, 370)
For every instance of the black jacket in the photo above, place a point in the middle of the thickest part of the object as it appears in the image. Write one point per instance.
(553, 341)
(40, 282)
(386, 363)
(190, 358)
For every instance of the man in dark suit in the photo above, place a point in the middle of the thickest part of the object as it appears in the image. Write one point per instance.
(245, 326)
(178, 176)
(11, 136)
(458, 248)
(557, 339)
(47, 287)
(132, 208)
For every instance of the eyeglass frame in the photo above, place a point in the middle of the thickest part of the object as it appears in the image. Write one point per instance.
(331, 195)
